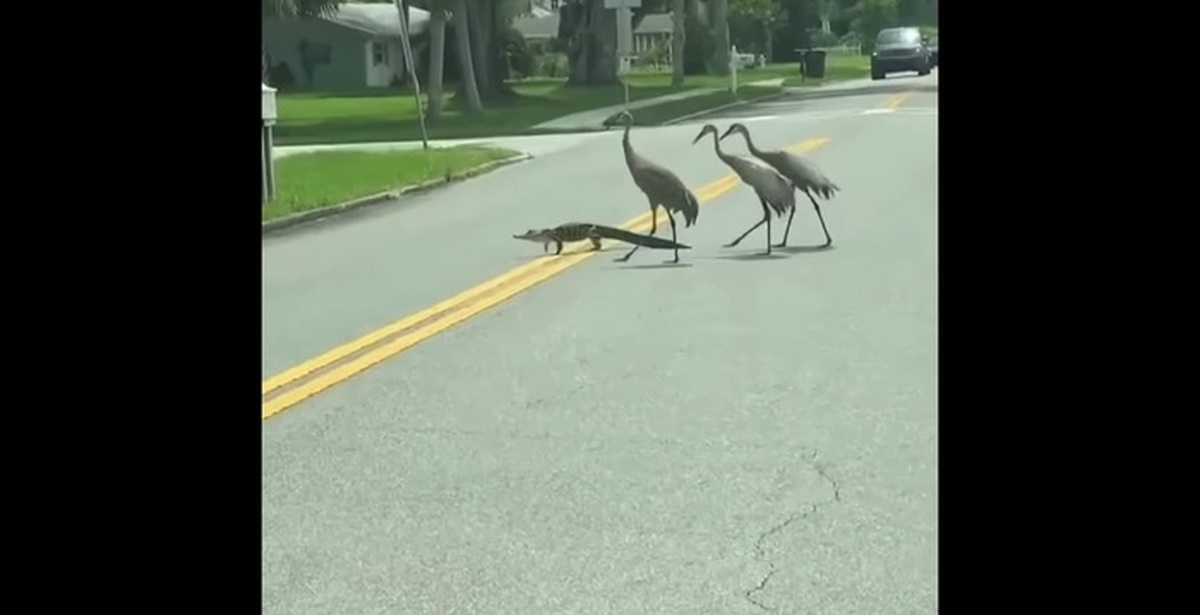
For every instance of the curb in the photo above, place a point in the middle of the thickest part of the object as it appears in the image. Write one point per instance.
(731, 105)
(279, 224)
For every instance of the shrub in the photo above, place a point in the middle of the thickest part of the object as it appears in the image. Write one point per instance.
(821, 38)
(521, 59)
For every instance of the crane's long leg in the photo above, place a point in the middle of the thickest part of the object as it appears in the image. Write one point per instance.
(788, 229)
(817, 207)
(653, 229)
(767, 217)
(674, 237)
(735, 242)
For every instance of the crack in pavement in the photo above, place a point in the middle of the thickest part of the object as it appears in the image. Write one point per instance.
(760, 552)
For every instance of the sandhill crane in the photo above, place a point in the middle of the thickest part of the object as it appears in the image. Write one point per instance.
(802, 173)
(774, 191)
(661, 187)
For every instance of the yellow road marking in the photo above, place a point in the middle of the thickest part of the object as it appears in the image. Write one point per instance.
(427, 323)
(896, 100)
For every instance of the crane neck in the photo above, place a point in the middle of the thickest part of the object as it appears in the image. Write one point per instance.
(717, 147)
(750, 144)
(625, 143)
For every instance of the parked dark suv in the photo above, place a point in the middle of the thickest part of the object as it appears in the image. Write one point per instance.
(898, 50)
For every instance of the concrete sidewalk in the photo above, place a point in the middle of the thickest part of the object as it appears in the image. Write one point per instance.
(579, 126)
(593, 119)
(537, 145)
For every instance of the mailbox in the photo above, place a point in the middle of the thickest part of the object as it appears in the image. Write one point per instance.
(268, 156)
(268, 105)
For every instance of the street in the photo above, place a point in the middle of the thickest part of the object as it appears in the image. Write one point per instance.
(732, 435)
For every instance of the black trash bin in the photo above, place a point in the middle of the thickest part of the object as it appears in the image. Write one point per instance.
(813, 64)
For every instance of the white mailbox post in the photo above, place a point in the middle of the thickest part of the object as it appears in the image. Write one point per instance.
(268, 159)
(625, 56)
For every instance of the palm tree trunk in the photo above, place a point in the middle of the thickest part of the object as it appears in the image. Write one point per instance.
(462, 34)
(437, 58)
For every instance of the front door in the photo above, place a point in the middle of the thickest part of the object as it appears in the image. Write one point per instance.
(379, 65)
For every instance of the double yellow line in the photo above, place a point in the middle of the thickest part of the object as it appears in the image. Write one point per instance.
(307, 379)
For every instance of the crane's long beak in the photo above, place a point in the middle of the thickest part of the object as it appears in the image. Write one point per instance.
(699, 136)
(728, 132)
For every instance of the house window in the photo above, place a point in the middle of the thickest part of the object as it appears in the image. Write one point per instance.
(379, 53)
(554, 4)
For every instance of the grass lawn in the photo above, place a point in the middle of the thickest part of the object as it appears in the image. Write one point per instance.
(390, 114)
(309, 181)
(837, 68)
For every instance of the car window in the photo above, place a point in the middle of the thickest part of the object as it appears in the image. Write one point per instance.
(893, 37)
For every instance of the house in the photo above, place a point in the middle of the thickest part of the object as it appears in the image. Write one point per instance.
(654, 29)
(357, 47)
(541, 8)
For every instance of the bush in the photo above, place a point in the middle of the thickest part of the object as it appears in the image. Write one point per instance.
(552, 65)
(821, 38)
(521, 59)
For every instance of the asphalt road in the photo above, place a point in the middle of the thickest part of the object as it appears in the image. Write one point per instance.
(736, 435)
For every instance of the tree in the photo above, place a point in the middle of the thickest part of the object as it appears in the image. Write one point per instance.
(437, 56)
(720, 26)
(678, 39)
(588, 33)
(758, 19)
(463, 36)
(293, 9)
(298, 8)
(868, 17)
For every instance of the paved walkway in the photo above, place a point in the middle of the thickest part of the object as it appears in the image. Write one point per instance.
(593, 119)
(582, 122)
(538, 145)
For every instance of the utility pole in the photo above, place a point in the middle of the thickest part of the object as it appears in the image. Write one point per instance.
(406, 45)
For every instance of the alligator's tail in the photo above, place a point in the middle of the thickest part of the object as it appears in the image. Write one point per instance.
(646, 241)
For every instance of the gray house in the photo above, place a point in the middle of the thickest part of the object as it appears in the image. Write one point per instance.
(356, 48)
(539, 26)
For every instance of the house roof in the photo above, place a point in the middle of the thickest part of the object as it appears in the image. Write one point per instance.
(547, 27)
(379, 19)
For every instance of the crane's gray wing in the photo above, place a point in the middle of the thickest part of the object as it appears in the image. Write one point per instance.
(665, 188)
(805, 174)
(775, 189)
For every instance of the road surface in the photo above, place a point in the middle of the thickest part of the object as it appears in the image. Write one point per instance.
(735, 435)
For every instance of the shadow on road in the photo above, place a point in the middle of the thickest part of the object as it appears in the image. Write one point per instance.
(663, 265)
(754, 256)
(805, 249)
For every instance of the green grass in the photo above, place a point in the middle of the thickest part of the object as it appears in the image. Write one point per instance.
(838, 67)
(313, 180)
(390, 114)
